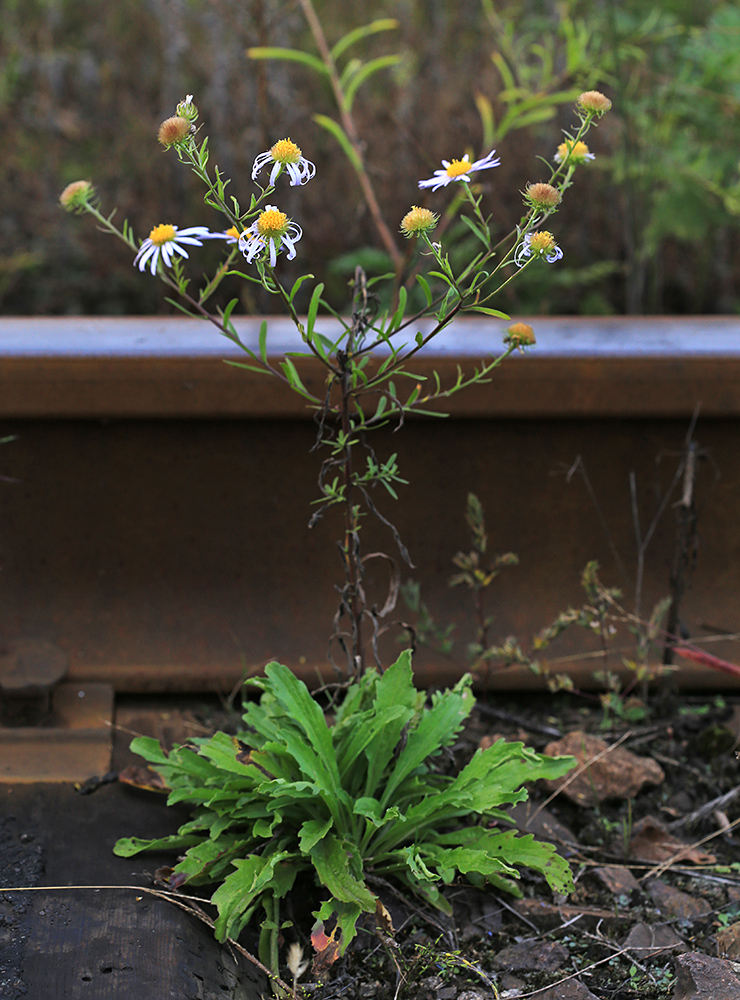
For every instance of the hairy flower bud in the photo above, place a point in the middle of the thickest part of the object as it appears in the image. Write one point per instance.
(76, 195)
(418, 221)
(542, 196)
(173, 130)
(593, 102)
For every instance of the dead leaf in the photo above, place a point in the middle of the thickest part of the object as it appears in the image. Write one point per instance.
(326, 947)
(652, 842)
(142, 777)
(384, 918)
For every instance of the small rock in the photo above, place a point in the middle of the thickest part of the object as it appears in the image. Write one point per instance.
(473, 995)
(511, 986)
(571, 989)
(545, 956)
(733, 894)
(700, 977)
(677, 905)
(645, 941)
(618, 774)
(728, 942)
(447, 993)
(619, 881)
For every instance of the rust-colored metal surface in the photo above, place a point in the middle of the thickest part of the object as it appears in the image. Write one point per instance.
(172, 554)
(72, 744)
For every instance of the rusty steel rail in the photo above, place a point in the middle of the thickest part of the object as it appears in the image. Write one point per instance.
(170, 367)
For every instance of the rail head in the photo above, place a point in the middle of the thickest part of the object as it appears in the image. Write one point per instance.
(173, 367)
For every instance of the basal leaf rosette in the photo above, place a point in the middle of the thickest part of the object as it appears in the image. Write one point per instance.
(352, 805)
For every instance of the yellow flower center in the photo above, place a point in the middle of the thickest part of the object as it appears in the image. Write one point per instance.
(540, 242)
(162, 234)
(272, 223)
(286, 151)
(233, 231)
(577, 150)
(458, 167)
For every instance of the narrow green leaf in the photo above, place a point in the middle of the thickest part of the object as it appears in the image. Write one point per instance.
(502, 67)
(488, 122)
(364, 73)
(341, 136)
(313, 309)
(263, 340)
(127, 847)
(357, 34)
(246, 367)
(291, 55)
(297, 284)
(400, 311)
(425, 288)
(488, 312)
(291, 373)
(474, 228)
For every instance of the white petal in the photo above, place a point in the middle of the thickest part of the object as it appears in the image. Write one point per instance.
(176, 248)
(259, 163)
(145, 251)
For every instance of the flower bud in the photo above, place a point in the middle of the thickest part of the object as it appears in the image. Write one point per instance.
(520, 335)
(174, 130)
(187, 110)
(593, 102)
(418, 221)
(542, 196)
(76, 195)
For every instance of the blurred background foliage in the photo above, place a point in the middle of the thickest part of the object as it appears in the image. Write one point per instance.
(652, 226)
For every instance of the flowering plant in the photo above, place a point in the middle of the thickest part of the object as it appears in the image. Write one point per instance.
(366, 365)
(361, 800)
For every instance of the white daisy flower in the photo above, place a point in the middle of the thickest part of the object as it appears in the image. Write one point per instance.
(285, 155)
(166, 240)
(541, 244)
(273, 230)
(459, 170)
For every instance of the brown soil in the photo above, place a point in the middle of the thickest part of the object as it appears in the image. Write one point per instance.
(622, 935)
